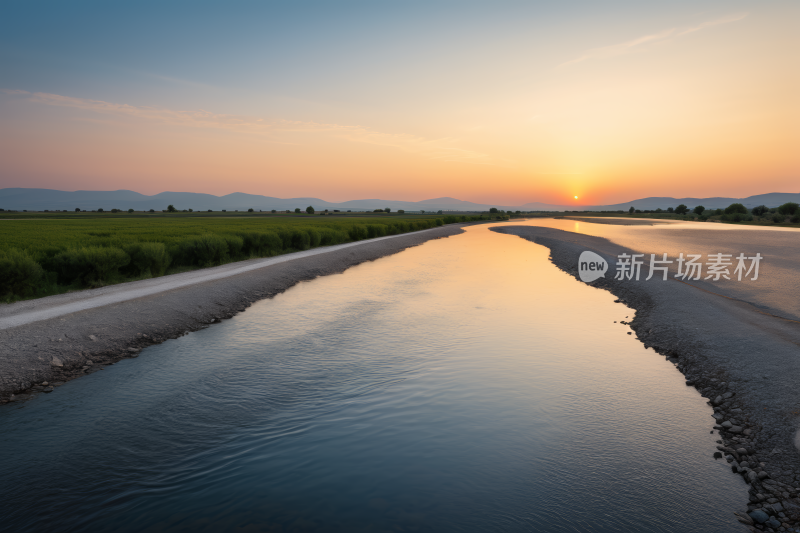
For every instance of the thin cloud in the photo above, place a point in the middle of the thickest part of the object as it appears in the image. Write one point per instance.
(623, 48)
(444, 149)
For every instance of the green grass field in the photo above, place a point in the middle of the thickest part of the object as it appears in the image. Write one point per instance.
(43, 253)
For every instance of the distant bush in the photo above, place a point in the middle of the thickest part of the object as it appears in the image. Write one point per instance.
(681, 209)
(699, 209)
(310, 210)
(736, 208)
(760, 211)
(789, 208)
(20, 274)
(89, 265)
(147, 259)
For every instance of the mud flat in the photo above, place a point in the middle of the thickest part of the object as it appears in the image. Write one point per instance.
(48, 341)
(741, 355)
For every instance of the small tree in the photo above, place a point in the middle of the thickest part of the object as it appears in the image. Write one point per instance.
(130, 210)
(250, 210)
(399, 211)
(736, 208)
(681, 209)
(631, 210)
(296, 210)
(699, 210)
(422, 211)
(77, 209)
(789, 208)
(210, 211)
(760, 210)
(152, 210)
(100, 210)
(670, 210)
(493, 210)
(388, 210)
(439, 212)
(171, 208)
(310, 210)
(191, 210)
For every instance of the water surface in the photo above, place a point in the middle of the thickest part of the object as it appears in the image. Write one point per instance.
(462, 385)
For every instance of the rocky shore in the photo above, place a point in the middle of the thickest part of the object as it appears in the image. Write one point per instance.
(47, 342)
(743, 361)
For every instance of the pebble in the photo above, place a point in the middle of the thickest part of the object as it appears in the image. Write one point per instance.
(759, 516)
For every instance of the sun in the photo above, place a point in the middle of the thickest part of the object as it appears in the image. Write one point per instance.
(576, 197)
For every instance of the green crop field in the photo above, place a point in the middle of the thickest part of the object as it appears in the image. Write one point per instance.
(44, 253)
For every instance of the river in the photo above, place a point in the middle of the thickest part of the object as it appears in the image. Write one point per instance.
(462, 385)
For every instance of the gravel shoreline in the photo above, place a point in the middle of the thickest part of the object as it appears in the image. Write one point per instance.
(742, 360)
(47, 342)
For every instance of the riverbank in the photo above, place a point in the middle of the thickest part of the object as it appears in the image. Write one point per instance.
(740, 356)
(46, 342)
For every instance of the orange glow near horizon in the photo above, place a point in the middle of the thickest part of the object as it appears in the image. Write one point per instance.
(702, 108)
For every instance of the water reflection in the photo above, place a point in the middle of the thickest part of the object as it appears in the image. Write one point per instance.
(462, 385)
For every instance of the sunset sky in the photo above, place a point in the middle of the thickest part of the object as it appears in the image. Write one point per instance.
(482, 101)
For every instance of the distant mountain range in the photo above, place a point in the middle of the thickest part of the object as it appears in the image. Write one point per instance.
(41, 199)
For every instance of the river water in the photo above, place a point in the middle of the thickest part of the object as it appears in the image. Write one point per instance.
(462, 385)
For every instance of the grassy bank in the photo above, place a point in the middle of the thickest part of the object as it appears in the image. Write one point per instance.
(52, 254)
(751, 220)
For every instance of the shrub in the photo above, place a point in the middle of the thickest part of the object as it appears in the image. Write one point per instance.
(789, 208)
(235, 245)
(736, 208)
(171, 208)
(89, 265)
(147, 259)
(358, 232)
(760, 211)
(439, 222)
(257, 244)
(250, 210)
(205, 250)
(681, 209)
(20, 274)
(310, 210)
(376, 230)
(699, 209)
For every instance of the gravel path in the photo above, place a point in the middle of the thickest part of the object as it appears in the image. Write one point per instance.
(48, 341)
(743, 359)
